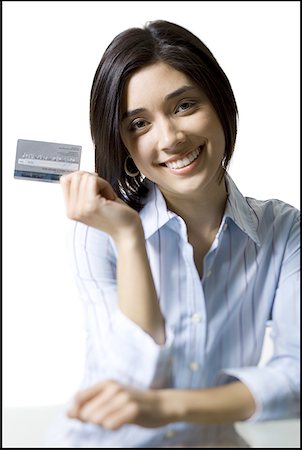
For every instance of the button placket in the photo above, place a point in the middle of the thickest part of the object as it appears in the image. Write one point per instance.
(196, 317)
(194, 366)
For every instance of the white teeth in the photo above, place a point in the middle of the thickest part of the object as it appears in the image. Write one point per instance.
(185, 161)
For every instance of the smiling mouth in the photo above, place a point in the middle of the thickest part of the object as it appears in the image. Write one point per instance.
(184, 162)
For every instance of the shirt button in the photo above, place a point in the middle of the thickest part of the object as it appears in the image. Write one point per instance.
(225, 226)
(209, 273)
(194, 366)
(196, 317)
(169, 434)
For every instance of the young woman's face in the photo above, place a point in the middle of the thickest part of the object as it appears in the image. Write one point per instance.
(171, 130)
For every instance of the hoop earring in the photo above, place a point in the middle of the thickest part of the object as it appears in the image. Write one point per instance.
(130, 174)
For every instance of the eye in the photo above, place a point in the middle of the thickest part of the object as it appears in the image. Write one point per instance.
(137, 125)
(185, 106)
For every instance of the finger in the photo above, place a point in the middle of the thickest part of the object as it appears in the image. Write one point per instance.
(105, 189)
(86, 403)
(107, 387)
(91, 409)
(99, 186)
(103, 405)
(78, 191)
(83, 191)
(121, 416)
(74, 205)
(65, 182)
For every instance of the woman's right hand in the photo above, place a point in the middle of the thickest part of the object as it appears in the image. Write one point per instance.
(91, 200)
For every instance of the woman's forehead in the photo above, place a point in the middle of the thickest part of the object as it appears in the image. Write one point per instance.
(158, 79)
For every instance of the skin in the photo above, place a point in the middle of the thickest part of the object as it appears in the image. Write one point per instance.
(112, 405)
(158, 126)
(170, 128)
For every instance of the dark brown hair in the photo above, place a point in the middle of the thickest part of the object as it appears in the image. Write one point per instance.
(127, 53)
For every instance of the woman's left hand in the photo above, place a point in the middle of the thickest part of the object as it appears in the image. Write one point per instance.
(112, 405)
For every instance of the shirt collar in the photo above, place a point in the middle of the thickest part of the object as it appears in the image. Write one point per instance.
(155, 213)
(239, 210)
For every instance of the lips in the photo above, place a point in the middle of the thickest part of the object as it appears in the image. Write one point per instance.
(180, 163)
(184, 161)
(185, 165)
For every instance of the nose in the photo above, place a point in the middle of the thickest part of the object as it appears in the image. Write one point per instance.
(169, 135)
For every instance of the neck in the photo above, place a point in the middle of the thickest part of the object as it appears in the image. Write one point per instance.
(202, 212)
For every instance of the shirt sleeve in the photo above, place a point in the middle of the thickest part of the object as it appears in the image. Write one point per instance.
(276, 386)
(125, 352)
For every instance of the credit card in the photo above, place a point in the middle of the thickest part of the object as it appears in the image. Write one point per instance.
(45, 161)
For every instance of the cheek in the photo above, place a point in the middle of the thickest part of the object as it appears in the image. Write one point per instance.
(220, 138)
(141, 150)
(135, 149)
(214, 131)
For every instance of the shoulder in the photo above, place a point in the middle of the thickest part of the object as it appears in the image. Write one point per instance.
(277, 209)
(264, 220)
(261, 217)
(275, 216)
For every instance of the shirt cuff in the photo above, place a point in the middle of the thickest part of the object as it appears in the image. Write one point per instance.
(272, 391)
(134, 352)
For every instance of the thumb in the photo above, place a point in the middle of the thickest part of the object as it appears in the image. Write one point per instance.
(105, 189)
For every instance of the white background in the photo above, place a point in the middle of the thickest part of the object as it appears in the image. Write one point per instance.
(50, 53)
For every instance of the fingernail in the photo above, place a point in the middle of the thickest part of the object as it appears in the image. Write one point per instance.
(71, 413)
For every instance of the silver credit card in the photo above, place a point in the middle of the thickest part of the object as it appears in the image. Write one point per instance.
(45, 161)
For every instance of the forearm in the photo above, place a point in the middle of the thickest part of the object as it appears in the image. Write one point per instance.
(136, 290)
(91, 200)
(228, 403)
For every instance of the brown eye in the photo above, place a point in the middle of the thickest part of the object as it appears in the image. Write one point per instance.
(138, 125)
(184, 106)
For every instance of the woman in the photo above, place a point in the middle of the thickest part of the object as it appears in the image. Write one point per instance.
(179, 273)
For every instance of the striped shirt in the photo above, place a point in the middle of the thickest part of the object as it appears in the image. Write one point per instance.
(215, 326)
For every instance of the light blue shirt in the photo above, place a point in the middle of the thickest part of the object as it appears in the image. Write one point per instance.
(215, 326)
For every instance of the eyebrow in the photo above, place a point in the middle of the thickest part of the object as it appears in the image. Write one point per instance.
(170, 96)
(179, 91)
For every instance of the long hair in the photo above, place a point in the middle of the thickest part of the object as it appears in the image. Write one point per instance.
(130, 51)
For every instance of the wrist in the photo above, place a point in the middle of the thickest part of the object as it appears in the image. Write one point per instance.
(220, 404)
(130, 237)
(171, 403)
